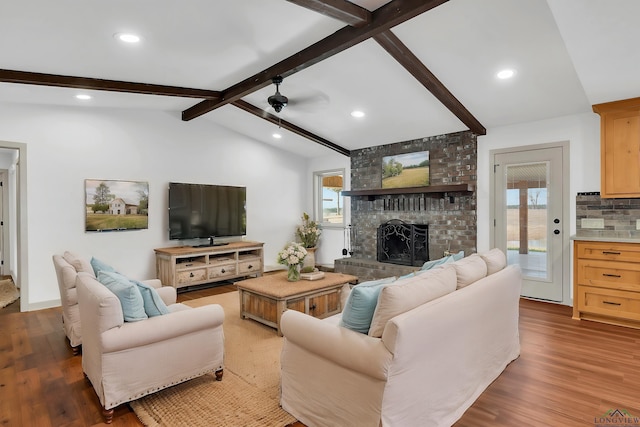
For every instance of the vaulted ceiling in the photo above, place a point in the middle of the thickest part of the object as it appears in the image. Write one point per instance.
(416, 68)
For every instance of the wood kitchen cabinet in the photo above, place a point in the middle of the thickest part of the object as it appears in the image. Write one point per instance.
(607, 282)
(619, 148)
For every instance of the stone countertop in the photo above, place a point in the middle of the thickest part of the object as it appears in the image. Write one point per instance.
(630, 236)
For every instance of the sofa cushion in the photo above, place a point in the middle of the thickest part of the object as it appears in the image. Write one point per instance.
(469, 270)
(408, 294)
(99, 266)
(82, 265)
(128, 294)
(153, 304)
(495, 260)
(361, 303)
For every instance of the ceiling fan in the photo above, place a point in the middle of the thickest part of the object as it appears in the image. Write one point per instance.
(278, 101)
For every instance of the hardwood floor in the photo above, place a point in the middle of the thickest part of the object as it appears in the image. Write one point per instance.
(569, 373)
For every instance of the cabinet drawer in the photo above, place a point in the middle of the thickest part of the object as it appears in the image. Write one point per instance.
(191, 276)
(609, 302)
(608, 251)
(615, 275)
(222, 271)
(253, 266)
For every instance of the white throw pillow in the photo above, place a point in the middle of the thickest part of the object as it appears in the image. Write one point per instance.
(495, 260)
(409, 293)
(469, 270)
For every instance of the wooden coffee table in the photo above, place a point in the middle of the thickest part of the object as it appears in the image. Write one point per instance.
(265, 298)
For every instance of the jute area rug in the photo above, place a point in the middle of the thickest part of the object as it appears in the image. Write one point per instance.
(249, 392)
(8, 292)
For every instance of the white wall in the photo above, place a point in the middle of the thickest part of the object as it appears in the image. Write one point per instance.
(68, 145)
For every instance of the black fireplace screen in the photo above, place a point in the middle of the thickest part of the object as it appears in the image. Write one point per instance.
(403, 243)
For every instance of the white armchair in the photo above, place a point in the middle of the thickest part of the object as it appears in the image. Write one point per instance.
(67, 267)
(127, 360)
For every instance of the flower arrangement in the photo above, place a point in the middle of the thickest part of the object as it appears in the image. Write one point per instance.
(292, 256)
(308, 232)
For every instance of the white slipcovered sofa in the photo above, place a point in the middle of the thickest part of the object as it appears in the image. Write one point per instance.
(436, 341)
(126, 360)
(67, 267)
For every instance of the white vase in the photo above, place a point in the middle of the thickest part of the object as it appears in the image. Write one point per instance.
(310, 259)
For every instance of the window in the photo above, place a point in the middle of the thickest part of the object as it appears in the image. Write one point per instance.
(329, 204)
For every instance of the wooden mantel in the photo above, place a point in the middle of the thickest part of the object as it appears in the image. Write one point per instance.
(436, 189)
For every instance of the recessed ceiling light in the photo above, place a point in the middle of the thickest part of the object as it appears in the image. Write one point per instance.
(506, 74)
(83, 97)
(276, 136)
(357, 113)
(127, 37)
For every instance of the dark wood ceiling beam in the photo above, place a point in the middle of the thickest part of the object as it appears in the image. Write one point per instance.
(401, 53)
(342, 10)
(244, 105)
(41, 79)
(382, 19)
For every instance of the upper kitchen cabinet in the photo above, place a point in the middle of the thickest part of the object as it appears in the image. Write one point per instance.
(620, 148)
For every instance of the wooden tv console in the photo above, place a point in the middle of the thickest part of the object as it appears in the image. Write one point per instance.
(182, 266)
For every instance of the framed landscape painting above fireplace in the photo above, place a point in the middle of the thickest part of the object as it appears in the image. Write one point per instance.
(406, 170)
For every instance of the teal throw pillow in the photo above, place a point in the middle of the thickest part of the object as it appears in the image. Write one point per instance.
(153, 304)
(128, 294)
(361, 303)
(431, 264)
(99, 266)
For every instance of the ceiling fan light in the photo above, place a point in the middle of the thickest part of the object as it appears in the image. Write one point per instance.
(357, 114)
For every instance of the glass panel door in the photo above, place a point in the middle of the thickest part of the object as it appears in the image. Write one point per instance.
(528, 213)
(526, 194)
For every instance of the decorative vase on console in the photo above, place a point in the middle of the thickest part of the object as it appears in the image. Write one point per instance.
(292, 256)
(309, 233)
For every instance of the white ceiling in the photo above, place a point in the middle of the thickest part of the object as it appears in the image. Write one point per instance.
(569, 54)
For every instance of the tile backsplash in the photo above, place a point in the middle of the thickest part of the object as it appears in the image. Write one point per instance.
(619, 216)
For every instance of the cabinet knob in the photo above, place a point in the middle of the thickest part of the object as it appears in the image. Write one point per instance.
(190, 274)
(250, 266)
(223, 270)
(312, 307)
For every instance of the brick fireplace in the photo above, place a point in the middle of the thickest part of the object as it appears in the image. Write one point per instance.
(449, 216)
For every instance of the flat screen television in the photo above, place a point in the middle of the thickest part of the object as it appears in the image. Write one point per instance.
(198, 211)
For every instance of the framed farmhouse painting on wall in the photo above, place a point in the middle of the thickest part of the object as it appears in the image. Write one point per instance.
(116, 205)
(406, 170)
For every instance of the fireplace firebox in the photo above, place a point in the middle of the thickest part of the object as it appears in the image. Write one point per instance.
(403, 243)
